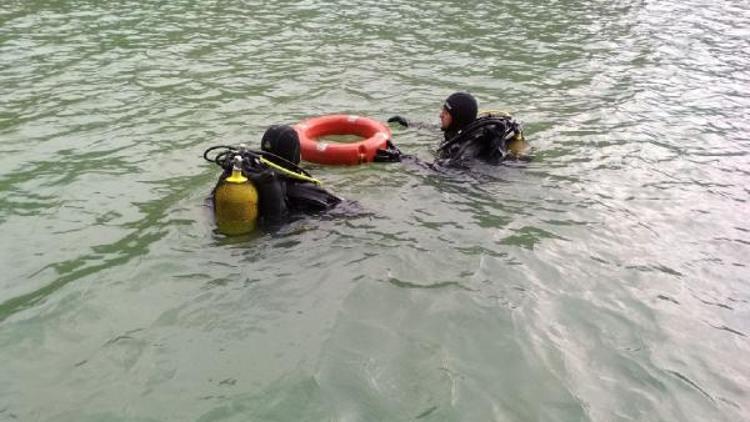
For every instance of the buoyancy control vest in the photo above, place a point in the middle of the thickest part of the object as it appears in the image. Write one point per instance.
(489, 138)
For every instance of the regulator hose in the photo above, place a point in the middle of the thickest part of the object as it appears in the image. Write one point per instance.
(251, 159)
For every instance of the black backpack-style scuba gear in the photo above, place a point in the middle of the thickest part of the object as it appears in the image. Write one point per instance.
(283, 187)
(487, 138)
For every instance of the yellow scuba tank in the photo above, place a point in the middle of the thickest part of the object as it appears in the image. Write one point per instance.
(236, 203)
(518, 145)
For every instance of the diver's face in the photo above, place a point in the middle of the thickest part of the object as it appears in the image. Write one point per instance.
(445, 119)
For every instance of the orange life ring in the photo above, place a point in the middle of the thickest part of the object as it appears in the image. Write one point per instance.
(376, 136)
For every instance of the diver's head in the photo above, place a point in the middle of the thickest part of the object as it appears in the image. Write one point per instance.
(282, 140)
(459, 109)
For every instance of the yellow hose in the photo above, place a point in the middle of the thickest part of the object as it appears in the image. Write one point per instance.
(288, 172)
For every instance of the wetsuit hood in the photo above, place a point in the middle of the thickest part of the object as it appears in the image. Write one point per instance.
(463, 110)
(282, 140)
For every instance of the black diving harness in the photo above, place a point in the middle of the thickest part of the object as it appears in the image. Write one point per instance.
(495, 133)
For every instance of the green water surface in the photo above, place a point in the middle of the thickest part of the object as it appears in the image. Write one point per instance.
(606, 280)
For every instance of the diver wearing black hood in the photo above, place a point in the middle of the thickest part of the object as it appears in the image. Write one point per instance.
(288, 194)
(283, 142)
(490, 137)
(283, 187)
(458, 111)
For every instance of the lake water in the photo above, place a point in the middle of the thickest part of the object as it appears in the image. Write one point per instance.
(606, 280)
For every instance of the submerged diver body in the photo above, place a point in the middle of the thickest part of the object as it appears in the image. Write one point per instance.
(491, 137)
(298, 195)
(282, 188)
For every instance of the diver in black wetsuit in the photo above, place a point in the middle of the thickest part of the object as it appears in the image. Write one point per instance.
(491, 138)
(283, 188)
(279, 194)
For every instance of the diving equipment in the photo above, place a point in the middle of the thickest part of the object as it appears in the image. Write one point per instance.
(491, 138)
(280, 189)
(236, 202)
